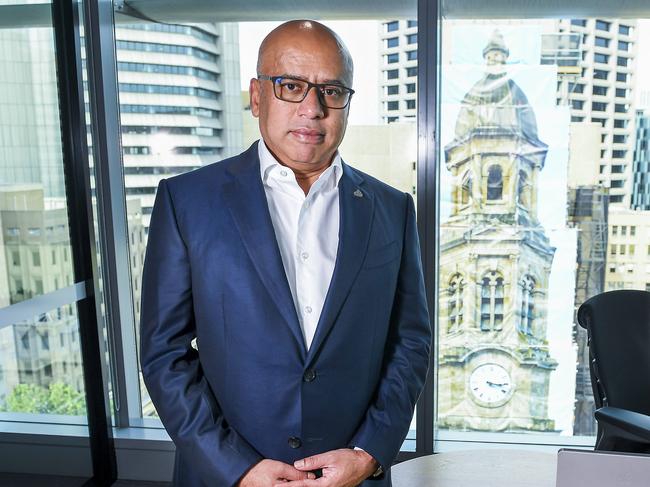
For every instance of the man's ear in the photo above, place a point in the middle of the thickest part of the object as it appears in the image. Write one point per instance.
(254, 94)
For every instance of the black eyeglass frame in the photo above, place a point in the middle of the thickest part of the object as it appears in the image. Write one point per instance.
(310, 85)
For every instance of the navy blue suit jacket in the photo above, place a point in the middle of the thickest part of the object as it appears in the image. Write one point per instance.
(252, 390)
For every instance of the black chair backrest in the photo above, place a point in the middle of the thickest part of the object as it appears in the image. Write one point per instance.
(618, 323)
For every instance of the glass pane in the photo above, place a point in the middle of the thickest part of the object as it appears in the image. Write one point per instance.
(184, 104)
(41, 370)
(522, 107)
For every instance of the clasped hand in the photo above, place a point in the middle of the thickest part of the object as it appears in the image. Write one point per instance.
(340, 468)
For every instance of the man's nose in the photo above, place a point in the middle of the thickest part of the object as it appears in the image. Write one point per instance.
(312, 106)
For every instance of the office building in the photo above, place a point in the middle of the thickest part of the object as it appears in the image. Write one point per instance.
(603, 92)
(641, 167)
(179, 101)
(399, 66)
(628, 261)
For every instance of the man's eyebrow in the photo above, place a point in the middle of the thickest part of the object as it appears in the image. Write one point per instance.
(303, 78)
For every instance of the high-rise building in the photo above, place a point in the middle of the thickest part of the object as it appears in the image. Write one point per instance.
(603, 92)
(179, 101)
(399, 66)
(45, 348)
(641, 167)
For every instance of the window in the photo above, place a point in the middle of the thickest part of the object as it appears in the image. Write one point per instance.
(412, 72)
(633, 230)
(624, 230)
(392, 42)
(621, 93)
(392, 26)
(579, 22)
(392, 89)
(492, 295)
(618, 154)
(392, 58)
(412, 55)
(527, 310)
(621, 249)
(601, 42)
(412, 39)
(392, 74)
(600, 74)
(36, 259)
(624, 29)
(410, 104)
(410, 87)
(622, 61)
(392, 105)
(622, 77)
(617, 169)
(15, 257)
(575, 118)
(598, 106)
(455, 303)
(577, 104)
(602, 25)
(411, 23)
(620, 123)
(600, 90)
(494, 183)
(612, 249)
(620, 108)
(601, 58)
(631, 249)
(623, 45)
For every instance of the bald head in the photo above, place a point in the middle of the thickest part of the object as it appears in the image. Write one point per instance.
(306, 34)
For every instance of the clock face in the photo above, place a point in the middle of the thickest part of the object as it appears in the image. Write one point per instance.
(490, 384)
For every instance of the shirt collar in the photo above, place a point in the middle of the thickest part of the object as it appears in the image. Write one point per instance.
(268, 162)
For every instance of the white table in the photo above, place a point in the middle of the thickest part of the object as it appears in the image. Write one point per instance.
(478, 468)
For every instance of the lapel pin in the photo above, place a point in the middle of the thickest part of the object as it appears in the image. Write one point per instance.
(358, 193)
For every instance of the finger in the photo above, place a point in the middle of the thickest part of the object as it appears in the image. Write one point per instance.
(290, 473)
(313, 462)
(304, 483)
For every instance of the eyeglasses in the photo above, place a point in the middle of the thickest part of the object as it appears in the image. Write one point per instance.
(295, 90)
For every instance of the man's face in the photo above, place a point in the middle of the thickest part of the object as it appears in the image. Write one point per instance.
(301, 135)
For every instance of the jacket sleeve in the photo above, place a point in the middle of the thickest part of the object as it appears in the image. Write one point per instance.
(170, 365)
(406, 357)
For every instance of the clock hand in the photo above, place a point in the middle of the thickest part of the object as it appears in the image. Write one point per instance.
(494, 384)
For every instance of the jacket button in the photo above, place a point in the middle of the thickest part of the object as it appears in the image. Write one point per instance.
(310, 375)
(294, 442)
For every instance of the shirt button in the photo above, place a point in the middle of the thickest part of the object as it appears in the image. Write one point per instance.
(309, 375)
(304, 256)
(283, 172)
(294, 442)
(308, 309)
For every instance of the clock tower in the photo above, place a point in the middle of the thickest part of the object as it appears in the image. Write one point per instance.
(495, 262)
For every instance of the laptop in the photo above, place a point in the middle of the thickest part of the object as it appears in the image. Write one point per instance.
(588, 468)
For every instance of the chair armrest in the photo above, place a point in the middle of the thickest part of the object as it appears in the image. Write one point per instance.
(635, 425)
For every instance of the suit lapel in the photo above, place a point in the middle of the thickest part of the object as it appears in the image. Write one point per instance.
(356, 207)
(247, 203)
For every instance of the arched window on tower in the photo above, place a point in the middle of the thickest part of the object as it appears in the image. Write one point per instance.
(494, 183)
(524, 189)
(466, 189)
(527, 311)
(455, 303)
(492, 302)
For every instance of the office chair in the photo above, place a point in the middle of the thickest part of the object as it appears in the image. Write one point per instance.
(618, 327)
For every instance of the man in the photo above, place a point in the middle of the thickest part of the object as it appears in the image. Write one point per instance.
(300, 279)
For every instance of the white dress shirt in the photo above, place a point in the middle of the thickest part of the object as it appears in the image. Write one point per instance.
(307, 232)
